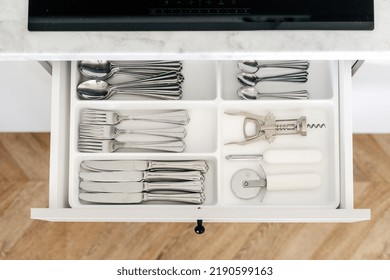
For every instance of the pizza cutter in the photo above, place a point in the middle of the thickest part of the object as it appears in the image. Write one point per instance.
(247, 183)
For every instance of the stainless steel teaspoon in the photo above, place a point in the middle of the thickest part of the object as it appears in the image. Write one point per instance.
(247, 79)
(252, 66)
(250, 93)
(103, 69)
(101, 90)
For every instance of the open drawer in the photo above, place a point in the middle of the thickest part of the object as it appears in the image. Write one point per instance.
(209, 91)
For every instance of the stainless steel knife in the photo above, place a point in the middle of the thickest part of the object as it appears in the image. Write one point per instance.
(136, 187)
(145, 165)
(131, 198)
(138, 176)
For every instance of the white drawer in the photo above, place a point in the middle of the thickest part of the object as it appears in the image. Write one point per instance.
(209, 91)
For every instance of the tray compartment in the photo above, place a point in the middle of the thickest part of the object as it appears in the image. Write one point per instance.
(210, 181)
(324, 139)
(321, 84)
(201, 130)
(200, 82)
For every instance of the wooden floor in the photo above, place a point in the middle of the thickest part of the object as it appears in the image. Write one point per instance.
(24, 172)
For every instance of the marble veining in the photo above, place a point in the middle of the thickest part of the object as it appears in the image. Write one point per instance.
(16, 42)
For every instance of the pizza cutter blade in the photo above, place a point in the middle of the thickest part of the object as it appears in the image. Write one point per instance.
(247, 184)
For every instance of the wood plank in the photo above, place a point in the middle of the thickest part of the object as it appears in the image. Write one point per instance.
(24, 165)
(30, 151)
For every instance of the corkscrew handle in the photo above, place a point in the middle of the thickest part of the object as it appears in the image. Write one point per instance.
(292, 126)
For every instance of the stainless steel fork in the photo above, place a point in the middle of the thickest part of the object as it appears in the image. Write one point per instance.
(107, 132)
(92, 116)
(110, 146)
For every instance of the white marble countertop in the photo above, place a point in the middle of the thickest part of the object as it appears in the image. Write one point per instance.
(17, 43)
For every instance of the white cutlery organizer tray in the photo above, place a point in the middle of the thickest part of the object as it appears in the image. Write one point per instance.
(209, 90)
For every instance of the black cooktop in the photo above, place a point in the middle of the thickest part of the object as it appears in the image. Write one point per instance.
(186, 15)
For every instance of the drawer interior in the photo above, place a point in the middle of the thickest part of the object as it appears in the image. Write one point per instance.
(209, 92)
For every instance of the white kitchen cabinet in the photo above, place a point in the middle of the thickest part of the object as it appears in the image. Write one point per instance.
(371, 97)
(25, 97)
(209, 91)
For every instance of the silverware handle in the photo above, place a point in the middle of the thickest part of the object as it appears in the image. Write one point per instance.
(298, 77)
(174, 176)
(158, 65)
(290, 64)
(192, 198)
(152, 68)
(165, 77)
(298, 94)
(145, 87)
(155, 89)
(196, 165)
(134, 74)
(158, 83)
(175, 117)
(168, 146)
(141, 74)
(144, 62)
(244, 157)
(190, 186)
(178, 132)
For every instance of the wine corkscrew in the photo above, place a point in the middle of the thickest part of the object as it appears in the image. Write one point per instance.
(267, 127)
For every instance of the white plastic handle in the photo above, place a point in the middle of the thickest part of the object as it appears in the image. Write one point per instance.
(293, 182)
(292, 156)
